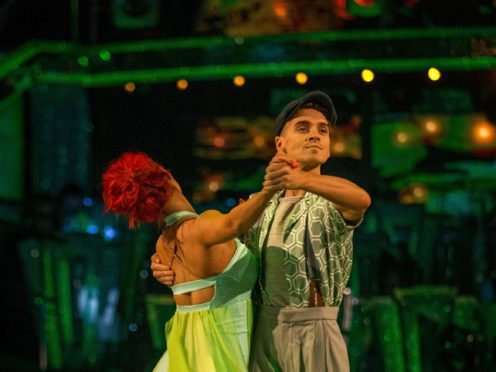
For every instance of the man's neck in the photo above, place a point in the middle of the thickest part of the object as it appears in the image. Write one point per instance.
(313, 169)
(289, 193)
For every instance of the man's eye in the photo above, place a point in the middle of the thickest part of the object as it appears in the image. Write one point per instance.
(301, 129)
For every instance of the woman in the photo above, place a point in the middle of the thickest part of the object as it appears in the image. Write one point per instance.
(215, 272)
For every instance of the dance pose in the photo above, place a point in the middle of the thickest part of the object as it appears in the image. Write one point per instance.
(214, 272)
(303, 243)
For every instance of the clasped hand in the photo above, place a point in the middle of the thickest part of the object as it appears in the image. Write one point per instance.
(283, 173)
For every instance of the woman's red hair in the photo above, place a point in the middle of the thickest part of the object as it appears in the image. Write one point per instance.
(136, 186)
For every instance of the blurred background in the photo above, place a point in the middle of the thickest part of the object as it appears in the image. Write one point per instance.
(197, 85)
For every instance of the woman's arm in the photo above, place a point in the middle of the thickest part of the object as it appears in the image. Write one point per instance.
(213, 227)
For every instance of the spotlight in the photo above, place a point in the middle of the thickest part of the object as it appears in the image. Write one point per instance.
(129, 87)
(301, 78)
(431, 127)
(259, 141)
(280, 10)
(368, 75)
(219, 141)
(105, 55)
(182, 84)
(339, 147)
(419, 192)
(213, 186)
(239, 81)
(401, 138)
(434, 74)
(83, 61)
(483, 133)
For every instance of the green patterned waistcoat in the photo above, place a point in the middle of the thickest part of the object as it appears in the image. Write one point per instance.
(331, 240)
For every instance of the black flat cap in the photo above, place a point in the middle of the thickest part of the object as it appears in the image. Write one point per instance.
(317, 97)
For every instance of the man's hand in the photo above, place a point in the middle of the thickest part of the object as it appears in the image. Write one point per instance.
(283, 173)
(161, 272)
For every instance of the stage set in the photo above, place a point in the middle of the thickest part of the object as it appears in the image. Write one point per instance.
(197, 85)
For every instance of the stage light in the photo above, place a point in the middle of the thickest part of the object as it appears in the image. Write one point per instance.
(259, 141)
(219, 141)
(182, 84)
(109, 233)
(483, 133)
(213, 186)
(105, 55)
(83, 61)
(419, 192)
(280, 10)
(133, 327)
(434, 74)
(301, 78)
(401, 138)
(92, 229)
(413, 194)
(431, 127)
(239, 81)
(130, 87)
(368, 75)
(338, 147)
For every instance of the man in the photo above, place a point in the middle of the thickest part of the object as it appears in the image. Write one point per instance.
(304, 245)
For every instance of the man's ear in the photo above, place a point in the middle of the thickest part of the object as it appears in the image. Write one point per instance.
(280, 144)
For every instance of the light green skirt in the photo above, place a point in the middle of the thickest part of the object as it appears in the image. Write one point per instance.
(208, 340)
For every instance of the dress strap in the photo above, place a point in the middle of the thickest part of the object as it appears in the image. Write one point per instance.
(194, 285)
(171, 219)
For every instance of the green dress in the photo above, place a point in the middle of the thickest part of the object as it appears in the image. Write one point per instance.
(213, 336)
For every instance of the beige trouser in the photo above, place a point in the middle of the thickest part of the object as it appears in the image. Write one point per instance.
(292, 340)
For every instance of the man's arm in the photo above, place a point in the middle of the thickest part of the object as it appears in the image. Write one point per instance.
(350, 200)
(162, 273)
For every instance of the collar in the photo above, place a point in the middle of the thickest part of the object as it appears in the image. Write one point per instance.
(280, 194)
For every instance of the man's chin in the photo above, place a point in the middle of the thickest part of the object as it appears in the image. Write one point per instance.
(309, 164)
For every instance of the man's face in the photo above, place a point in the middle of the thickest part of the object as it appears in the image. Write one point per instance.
(306, 138)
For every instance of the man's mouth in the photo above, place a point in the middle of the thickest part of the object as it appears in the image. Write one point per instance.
(314, 147)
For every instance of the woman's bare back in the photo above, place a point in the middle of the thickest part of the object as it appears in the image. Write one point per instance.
(191, 261)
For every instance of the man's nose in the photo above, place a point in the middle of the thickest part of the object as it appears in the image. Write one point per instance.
(314, 137)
